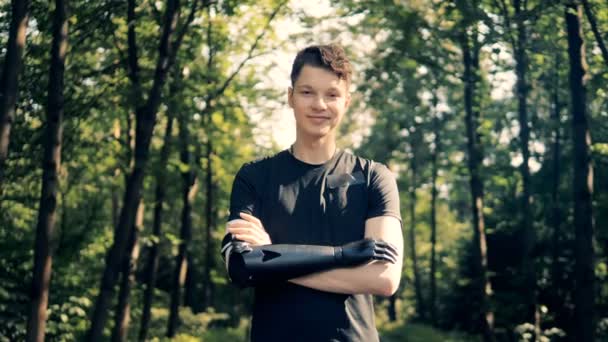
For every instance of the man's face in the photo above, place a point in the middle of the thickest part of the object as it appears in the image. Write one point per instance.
(319, 100)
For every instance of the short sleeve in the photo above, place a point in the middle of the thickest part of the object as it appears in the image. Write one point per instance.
(243, 197)
(383, 199)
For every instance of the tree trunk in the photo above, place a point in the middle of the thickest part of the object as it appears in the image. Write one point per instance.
(146, 117)
(122, 313)
(132, 58)
(420, 307)
(51, 164)
(209, 216)
(584, 291)
(9, 87)
(152, 262)
(115, 200)
(151, 267)
(392, 308)
(434, 169)
(531, 313)
(484, 288)
(197, 304)
(123, 308)
(596, 32)
(116, 132)
(190, 287)
(557, 295)
(181, 260)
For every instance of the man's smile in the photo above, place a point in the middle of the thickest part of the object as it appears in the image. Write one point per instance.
(318, 118)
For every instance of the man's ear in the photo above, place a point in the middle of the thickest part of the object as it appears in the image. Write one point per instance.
(347, 102)
(290, 96)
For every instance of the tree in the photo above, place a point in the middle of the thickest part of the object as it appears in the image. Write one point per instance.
(43, 249)
(415, 139)
(189, 190)
(210, 216)
(520, 44)
(145, 121)
(584, 291)
(556, 213)
(151, 267)
(470, 57)
(433, 219)
(123, 307)
(9, 83)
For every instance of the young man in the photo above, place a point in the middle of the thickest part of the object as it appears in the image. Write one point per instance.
(316, 230)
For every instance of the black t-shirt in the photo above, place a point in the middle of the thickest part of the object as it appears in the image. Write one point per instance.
(327, 204)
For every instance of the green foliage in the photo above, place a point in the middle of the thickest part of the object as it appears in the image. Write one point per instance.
(412, 332)
(209, 326)
(68, 320)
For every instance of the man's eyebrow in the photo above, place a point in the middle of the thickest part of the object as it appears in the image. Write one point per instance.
(308, 87)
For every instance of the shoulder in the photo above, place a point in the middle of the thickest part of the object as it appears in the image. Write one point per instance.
(255, 172)
(252, 175)
(261, 164)
(374, 170)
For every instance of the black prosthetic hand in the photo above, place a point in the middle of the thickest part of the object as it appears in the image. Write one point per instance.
(251, 266)
(359, 252)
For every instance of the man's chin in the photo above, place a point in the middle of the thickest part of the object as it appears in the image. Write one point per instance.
(316, 133)
(319, 134)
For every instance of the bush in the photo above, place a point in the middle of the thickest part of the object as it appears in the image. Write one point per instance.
(200, 327)
(411, 332)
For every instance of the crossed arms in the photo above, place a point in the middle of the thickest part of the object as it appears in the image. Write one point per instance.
(371, 266)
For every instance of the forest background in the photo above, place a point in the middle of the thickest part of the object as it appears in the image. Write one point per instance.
(122, 124)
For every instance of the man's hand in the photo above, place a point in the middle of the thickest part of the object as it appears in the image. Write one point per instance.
(248, 229)
(358, 252)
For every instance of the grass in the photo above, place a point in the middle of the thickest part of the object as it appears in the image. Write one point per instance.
(413, 332)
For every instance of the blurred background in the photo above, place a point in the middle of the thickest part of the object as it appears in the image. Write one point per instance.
(123, 123)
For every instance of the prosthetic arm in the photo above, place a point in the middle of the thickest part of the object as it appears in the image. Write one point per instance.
(257, 265)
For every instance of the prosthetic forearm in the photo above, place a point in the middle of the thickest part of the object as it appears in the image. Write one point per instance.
(258, 265)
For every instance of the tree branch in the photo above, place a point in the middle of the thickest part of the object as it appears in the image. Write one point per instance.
(596, 32)
(209, 42)
(221, 90)
(180, 35)
(133, 64)
(503, 7)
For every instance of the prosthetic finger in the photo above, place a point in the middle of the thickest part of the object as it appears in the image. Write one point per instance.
(386, 252)
(392, 251)
(387, 245)
(384, 255)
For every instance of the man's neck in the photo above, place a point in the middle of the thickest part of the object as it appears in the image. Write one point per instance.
(314, 152)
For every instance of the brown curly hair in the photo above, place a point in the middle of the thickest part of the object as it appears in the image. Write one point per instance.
(329, 57)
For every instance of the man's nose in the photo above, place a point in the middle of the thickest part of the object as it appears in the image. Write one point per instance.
(319, 103)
